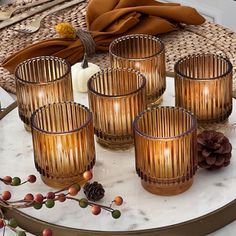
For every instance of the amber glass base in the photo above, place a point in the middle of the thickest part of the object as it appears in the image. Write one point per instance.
(62, 183)
(121, 145)
(167, 190)
(27, 128)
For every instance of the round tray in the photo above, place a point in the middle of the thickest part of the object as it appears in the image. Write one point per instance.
(207, 206)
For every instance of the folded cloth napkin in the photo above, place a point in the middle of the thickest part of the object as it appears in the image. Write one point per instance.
(108, 21)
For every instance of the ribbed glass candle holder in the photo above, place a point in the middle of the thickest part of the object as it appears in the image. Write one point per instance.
(63, 142)
(165, 149)
(40, 81)
(116, 97)
(146, 54)
(203, 85)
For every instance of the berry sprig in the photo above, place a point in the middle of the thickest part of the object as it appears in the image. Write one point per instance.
(16, 181)
(49, 200)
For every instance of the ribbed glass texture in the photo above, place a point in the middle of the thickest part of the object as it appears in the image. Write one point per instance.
(203, 85)
(63, 141)
(165, 149)
(146, 54)
(40, 81)
(116, 97)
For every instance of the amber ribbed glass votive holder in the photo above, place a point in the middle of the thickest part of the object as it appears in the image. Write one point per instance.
(63, 142)
(40, 81)
(165, 149)
(116, 97)
(146, 54)
(203, 85)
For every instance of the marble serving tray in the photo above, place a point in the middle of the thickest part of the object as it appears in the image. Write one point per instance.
(141, 211)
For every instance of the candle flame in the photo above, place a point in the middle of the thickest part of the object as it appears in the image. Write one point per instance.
(40, 94)
(137, 65)
(167, 152)
(59, 146)
(206, 91)
(116, 106)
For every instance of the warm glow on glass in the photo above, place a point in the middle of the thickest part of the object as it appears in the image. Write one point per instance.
(63, 141)
(146, 54)
(116, 97)
(40, 81)
(167, 153)
(203, 85)
(165, 149)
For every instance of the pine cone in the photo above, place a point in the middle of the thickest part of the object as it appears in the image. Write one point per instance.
(214, 150)
(94, 191)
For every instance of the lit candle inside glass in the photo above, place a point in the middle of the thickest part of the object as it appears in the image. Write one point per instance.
(148, 58)
(116, 97)
(203, 85)
(165, 149)
(63, 142)
(40, 81)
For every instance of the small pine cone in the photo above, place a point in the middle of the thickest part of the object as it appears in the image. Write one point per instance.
(94, 191)
(214, 150)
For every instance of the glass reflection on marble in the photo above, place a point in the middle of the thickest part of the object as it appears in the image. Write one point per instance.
(39, 81)
(63, 142)
(146, 54)
(165, 149)
(203, 85)
(116, 97)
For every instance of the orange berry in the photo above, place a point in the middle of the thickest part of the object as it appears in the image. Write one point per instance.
(73, 190)
(87, 175)
(118, 200)
(61, 197)
(6, 195)
(96, 209)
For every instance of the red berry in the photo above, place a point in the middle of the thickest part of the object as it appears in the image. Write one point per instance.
(6, 195)
(87, 175)
(73, 190)
(7, 179)
(50, 195)
(38, 197)
(61, 197)
(29, 197)
(96, 209)
(32, 179)
(118, 200)
(47, 232)
(1, 223)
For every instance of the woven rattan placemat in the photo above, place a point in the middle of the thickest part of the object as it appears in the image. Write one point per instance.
(209, 37)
